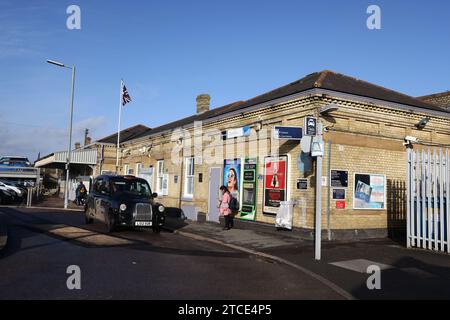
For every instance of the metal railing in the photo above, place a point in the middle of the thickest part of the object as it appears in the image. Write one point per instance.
(428, 199)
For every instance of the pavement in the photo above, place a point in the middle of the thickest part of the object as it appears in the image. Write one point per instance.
(405, 273)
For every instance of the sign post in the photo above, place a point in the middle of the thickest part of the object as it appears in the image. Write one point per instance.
(317, 151)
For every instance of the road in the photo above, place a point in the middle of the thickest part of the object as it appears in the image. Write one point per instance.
(135, 264)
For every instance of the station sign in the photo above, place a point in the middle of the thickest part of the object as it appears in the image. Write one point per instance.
(287, 133)
(238, 132)
(310, 126)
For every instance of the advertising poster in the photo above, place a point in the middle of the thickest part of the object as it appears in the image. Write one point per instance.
(370, 191)
(232, 177)
(249, 189)
(275, 183)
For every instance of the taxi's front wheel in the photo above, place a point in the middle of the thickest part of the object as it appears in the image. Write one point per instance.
(110, 226)
(87, 216)
(156, 229)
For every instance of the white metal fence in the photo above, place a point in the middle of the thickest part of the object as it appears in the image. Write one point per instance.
(428, 199)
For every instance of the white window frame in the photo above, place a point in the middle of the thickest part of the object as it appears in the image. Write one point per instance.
(126, 168)
(189, 177)
(138, 167)
(159, 176)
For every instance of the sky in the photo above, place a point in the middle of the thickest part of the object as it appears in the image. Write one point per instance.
(167, 52)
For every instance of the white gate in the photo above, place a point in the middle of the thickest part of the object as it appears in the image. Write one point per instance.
(428, 196)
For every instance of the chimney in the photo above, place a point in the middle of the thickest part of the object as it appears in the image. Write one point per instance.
(86, 132)
(87, 141)
(203, 101)
(77, 145)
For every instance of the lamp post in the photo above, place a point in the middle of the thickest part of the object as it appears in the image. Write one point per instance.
(318, 145)
(69, 149)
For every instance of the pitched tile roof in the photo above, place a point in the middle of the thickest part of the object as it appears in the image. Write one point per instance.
(126, 134)
(441, 99)
(325, 80)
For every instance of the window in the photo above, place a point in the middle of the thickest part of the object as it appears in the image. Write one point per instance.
(138, 169)
(126, 169)
(101, 187)
(131, 187)
(159, 176)
(189, 178)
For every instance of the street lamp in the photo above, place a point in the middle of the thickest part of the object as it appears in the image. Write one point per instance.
(69, 150)
(318, 151)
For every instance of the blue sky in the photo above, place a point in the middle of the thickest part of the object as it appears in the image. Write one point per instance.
(167, 52)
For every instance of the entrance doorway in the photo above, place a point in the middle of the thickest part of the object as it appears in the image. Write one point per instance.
(215, 175)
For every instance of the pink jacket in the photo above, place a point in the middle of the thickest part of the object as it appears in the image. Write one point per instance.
(224, 208)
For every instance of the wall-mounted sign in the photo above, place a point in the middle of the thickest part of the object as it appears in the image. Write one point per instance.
(338, 194)
(175, 179)
(200, 177)
(232, 176)
(310, 126)
(302, 184)
(339, 179)
(249, 187)
(238, 132)
(275, 183)
(370, 192)
(340, 204)
(287, 133)
(317, 147)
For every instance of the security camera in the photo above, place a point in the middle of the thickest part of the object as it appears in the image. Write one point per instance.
(411, 139)
(422, 123)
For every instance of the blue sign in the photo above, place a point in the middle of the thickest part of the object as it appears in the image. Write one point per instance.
(288, 133)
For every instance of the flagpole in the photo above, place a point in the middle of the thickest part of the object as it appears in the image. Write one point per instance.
(118, 127)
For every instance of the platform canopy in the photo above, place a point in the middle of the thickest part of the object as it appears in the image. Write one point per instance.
(58, 160)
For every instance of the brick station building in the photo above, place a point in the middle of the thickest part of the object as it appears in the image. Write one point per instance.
(364, 164)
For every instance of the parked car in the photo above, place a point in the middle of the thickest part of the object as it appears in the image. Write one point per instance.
(5, 198)
(124, 201)
(6, 195)
(14, 162)
(20, 193)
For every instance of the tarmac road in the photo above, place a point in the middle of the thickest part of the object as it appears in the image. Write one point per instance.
(135, 264)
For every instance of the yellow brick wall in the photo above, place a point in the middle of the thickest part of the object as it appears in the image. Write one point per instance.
(364, 139)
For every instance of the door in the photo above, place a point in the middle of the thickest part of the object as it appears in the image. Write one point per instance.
(213, 199)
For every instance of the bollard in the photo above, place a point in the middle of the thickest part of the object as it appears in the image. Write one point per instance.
(29, 196)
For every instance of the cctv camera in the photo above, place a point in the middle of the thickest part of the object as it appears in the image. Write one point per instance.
(411, 139)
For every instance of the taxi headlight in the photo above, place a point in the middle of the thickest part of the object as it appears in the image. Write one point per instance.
(161, 208)
(123, 207)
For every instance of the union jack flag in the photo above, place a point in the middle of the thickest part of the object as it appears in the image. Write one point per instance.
(125, 96)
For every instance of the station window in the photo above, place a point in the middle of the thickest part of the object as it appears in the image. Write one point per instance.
(160, 176)
(189, 178)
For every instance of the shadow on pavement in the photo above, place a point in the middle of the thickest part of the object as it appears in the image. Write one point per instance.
(91, 236)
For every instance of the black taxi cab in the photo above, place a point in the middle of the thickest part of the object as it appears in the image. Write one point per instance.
(123, 201)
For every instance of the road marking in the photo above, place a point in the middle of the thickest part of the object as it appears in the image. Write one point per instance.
(83, 235)
(342, 292)
(360, 265)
